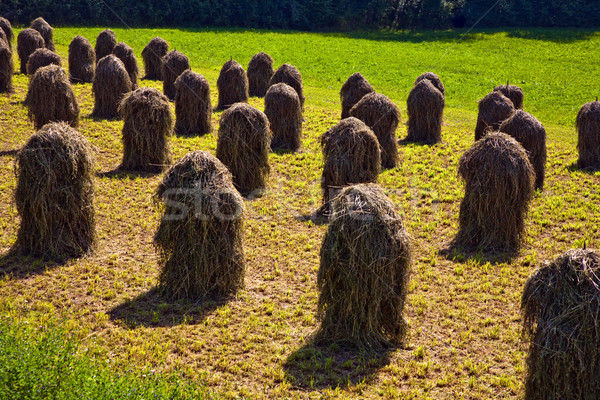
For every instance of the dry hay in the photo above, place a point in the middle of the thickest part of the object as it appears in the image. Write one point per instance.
(232, 85)
(364, 272)
(126, 54)
(243, 146)
(55, 194)
(282, 108)
(173, 65)
(499, 184)
(44, 28)
(41, 58)
(105, 44)
(152, 55)
(82, 60)
(354, 89)
(560, 306)
(290, 75)
(351, 155)
(6, 27)
(147, 127)
(528, 131)
(200, 244)
(514, 93)
(382, 116)
(193, 109)
(260, 71)
(7, 69)
(434, 79)
(425, 109)
(50, 98)
(28, 41)
(494, 108)
(111, 83)
(588, 131)
(4, 39)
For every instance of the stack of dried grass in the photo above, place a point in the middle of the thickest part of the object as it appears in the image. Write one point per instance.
(289, 75)
(6, 27)
(152, 55)
(382, 116)
(28, 41)
(193, 110)
(354, 89)
(105, 43)
(147, 127)
(499, 185)
(173, 64)
(243, 146)
(494, 108)
(111, 83)
(561, 305)
(528, 131)
(50, 98)
(232, 85)
(352, 155)
(82, 60)
(434, 79)
(7, 69)
(283, 109)
(260, 71)
(514, 93)
(4, 39)
(54, 194)
(44, 28)
(588, 130)
(425, 108)
(364, 272)
(41, 58)
(201, 246)
(126, 54)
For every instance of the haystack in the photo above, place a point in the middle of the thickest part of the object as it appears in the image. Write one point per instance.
(4, 38)
(260, 71)
(7, 69)
(111, 83)
(28, 41)
(351, 155)
(41, 58)
(289, 75)
(55, 194)
(382, 116)
(434, 79)
(193, 109)
(528, 131)
(354, 89)
(425, 109)
(152, 55)
(243, 146)
(364, 272)
(282, 108)
(494, 108)
(201, 246)
(126, 54)
(50, 98)
(44, 28)
(588, 130)
(232, 85)
(499, 184)
(147, 127)
(6, 27)
(105, 43)
(82, 60)
(514, 93)
(173, 65)
(560, 306)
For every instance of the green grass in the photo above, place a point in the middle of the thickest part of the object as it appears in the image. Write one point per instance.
(465, 334)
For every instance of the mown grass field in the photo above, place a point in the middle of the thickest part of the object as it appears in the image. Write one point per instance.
(465, 335)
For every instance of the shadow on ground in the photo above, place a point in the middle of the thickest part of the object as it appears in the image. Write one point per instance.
(118, 173)
(16, 266)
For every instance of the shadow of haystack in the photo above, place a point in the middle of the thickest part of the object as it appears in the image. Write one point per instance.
(18, 266)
